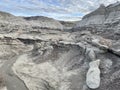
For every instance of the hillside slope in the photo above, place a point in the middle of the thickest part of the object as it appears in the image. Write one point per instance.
(10, 23)
(105, 20)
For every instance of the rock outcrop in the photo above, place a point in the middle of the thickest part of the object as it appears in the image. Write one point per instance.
(59, 60)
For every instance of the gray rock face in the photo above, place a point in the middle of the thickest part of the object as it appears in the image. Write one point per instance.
(102, 20)
(93, 75)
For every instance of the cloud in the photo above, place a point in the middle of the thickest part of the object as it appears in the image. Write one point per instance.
(58, 9)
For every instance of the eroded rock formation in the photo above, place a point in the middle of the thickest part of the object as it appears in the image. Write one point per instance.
(37, 58)
(103, 21)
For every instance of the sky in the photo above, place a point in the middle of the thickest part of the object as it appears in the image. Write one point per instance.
(67, 10)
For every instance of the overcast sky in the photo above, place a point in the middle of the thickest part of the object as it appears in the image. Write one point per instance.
(58, 9)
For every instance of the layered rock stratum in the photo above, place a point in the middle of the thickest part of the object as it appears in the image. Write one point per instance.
(103, 20)
(37, 54)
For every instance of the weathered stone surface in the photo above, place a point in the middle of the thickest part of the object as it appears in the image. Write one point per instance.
(59, 61)
(93, 75)
(53, 68)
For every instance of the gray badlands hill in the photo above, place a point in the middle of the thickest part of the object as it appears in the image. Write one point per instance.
(44, 22)
(35, 55)
(11, 23)
(103, 20)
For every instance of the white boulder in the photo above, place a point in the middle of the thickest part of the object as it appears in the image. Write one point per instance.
(93, 75)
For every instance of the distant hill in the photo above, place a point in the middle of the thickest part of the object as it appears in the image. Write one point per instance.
(11, 23)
